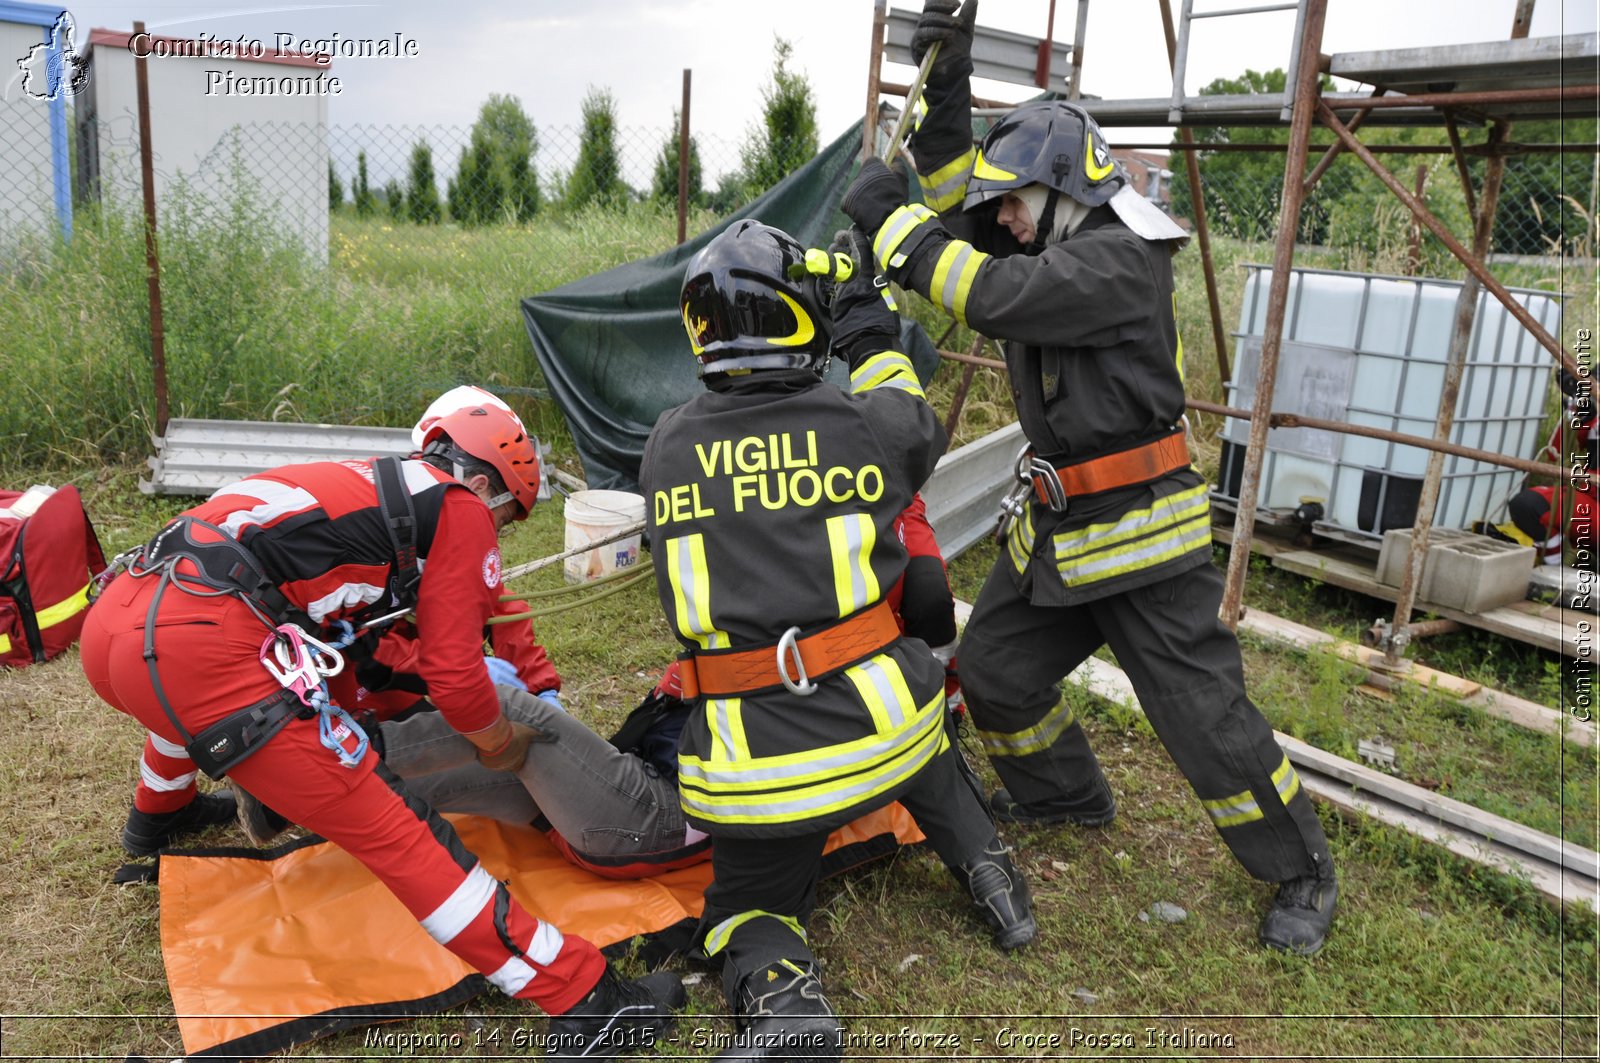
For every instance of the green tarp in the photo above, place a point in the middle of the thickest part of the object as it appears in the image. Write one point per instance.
(612, 346)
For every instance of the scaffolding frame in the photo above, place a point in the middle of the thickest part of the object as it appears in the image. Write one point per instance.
(1489, 84)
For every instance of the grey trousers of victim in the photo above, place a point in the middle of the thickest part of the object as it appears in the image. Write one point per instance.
(605, 803)
(1186, 670)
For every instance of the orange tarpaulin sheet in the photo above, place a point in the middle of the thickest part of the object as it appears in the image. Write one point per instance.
(264, 949)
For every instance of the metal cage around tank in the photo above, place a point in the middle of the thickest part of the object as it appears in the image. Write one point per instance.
(1369, 349)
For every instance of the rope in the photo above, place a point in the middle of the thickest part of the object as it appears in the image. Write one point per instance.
(587, 599)
(577, 588)
(544, 562)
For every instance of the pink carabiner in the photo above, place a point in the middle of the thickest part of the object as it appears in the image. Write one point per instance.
(299, 662)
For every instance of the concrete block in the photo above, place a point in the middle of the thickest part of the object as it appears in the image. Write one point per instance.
(1397, 547)
(1476, 573)
(1463, 570)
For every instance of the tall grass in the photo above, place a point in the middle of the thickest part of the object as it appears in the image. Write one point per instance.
(255, 328)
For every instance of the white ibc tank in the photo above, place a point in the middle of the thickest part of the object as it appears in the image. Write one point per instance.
(1371, 350)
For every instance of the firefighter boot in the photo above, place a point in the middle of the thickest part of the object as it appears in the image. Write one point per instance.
(259, 823)
(783, 1015)
(147, 833)
(1299, 917)
(616, 1016)
(1000, 895)
(1092, 806)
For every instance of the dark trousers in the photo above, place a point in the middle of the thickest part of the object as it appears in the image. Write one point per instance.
(1186, 670)
(764, 889)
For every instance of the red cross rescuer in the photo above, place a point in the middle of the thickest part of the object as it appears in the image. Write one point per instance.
(189, 641)
(1037, 238)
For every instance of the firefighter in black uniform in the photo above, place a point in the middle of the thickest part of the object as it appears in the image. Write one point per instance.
(1038, 239)
(772, 502)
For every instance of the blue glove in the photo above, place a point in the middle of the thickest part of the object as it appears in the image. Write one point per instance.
(553, 698)
(503, 673)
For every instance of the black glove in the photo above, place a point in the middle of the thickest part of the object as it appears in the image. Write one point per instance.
(873, 196)
(952, 32)
(863, 323)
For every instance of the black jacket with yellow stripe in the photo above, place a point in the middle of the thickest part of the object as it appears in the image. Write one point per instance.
(773, 507)
(1094, 360)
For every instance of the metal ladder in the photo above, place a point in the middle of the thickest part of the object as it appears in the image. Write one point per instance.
(1181, 55)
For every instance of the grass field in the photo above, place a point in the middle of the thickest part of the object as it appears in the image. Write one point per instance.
(1430, 957)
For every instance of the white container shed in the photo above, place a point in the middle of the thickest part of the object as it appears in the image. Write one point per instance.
(1371, 350)
(208, 131)
(35, 176)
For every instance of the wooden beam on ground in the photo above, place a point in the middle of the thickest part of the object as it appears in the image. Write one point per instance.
(1558, 869)
(1496, 703)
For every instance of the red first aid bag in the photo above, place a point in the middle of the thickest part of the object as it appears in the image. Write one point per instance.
(47, 560)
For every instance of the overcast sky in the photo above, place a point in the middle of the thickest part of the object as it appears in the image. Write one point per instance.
(549, 52)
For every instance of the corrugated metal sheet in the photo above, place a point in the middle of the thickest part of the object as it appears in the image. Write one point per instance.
(196, 457)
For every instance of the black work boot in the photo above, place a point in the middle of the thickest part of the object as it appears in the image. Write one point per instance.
(147, 833)
(1299, 917)
(784, 1015)
(259, 823)
(1093, 806)
(616, 1016)
(1000, 895)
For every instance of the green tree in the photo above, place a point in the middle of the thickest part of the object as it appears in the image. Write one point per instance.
(394, 198)
(664, 185)
(422, 194)
(787, 136)
(1548, 203)
(361, 193)
(597, 175)
(335, 188)
(495, 178)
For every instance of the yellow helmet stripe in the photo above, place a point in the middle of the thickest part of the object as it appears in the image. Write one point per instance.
(1094, 172)
(803, 334)
(984, 170)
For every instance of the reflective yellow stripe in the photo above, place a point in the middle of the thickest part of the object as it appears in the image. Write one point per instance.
(953, 275)
(899, 225)
(725, 717)
(1232, 811)
(1019, 544)
(1242, 808)
(1169, 528)
(883, 691)
(1036, 739)
(52, 615)
(812, 783)
(1286, 779)
(691, 591)
(888, 369)
(947, 186)
(851, 537)
(717, 939)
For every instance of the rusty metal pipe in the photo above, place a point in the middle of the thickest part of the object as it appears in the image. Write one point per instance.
(1554, 94)
(1295, 420)
(1306, 99)
(152, 257)
(1474, 265)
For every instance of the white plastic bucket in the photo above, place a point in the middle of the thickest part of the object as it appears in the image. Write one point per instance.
(595, 515)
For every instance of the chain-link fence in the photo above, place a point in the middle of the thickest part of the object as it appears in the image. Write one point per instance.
(346, 274)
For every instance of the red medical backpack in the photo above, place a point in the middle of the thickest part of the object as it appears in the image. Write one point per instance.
(46, 563)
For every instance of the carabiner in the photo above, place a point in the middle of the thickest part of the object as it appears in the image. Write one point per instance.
(788, 645)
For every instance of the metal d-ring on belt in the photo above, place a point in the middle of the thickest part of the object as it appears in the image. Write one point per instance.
(795, 661)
